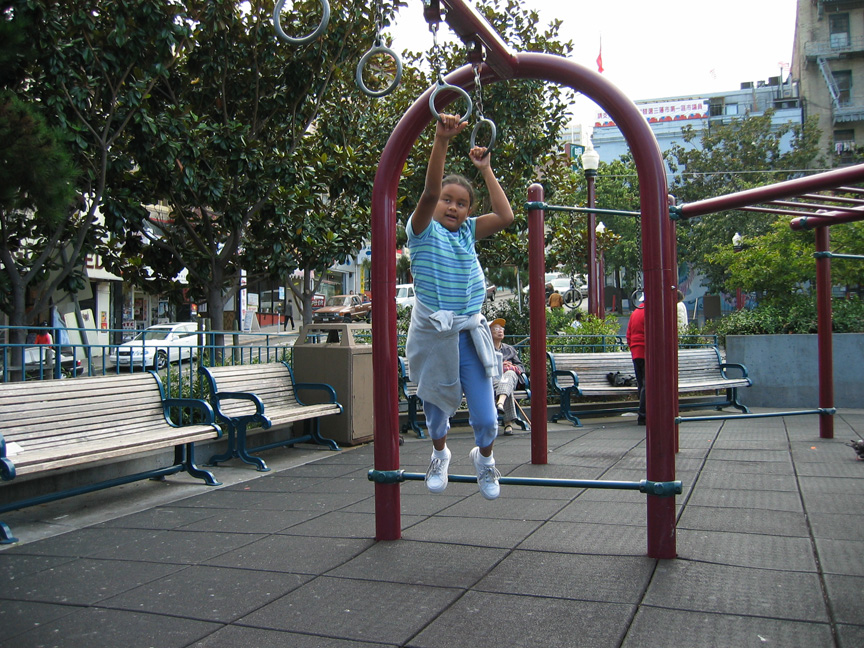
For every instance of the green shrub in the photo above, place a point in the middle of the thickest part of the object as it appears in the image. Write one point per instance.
(799, 316)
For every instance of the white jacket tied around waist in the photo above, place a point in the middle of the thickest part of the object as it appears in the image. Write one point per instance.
(433, 354)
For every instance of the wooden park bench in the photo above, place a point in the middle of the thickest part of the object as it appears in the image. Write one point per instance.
(48, 425)
(584, 374)
(408, 391)
(265, 394)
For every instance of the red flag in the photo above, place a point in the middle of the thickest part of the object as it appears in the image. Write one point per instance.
(600, 61)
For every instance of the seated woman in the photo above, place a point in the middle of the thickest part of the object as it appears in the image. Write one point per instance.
(513, 370)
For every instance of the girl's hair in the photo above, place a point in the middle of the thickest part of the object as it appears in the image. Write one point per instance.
(462, 181)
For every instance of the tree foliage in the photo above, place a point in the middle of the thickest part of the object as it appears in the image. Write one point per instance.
(86, 71)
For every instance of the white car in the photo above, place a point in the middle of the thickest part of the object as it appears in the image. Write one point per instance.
(156, 347)
(405, 295)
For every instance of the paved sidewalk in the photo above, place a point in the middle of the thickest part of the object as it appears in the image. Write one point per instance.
(770, 543)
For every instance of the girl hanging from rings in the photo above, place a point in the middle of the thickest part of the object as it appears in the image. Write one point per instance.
(449, 347)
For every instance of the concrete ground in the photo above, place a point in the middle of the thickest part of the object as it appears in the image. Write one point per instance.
(770, 544)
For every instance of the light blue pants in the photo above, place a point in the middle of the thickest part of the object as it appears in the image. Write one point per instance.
(479, 394)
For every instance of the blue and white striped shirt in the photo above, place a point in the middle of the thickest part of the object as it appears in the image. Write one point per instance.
(447, 273)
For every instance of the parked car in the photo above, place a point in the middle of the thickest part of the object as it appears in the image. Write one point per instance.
(157, 346)
(573, 292)
(344, 308)
(405, 295)
(491, 289)
(39, 363)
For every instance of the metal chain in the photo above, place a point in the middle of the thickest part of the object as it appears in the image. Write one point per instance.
(379, 19)
(435, 54)
(478, 92)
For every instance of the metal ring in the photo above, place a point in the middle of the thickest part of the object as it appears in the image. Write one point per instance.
(443, 85)
(491, 138)
(379, 49)
(277, 24)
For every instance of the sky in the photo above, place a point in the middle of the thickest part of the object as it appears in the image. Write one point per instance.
(655, 49)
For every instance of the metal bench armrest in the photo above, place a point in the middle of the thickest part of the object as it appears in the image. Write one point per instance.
(317, 386)
(564, 372)
(220, 396)
(733, 365)
(193, 403)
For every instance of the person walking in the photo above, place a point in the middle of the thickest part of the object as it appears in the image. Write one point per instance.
(289, 314)
(449, 345)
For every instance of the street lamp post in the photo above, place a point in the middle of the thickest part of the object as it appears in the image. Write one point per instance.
(601, 275)
(737, 246)
(590, 162)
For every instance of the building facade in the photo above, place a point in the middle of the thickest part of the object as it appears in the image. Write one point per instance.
(828, 64)
(669, 115)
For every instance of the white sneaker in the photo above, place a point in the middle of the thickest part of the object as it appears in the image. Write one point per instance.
(487, 476)
(436, 476)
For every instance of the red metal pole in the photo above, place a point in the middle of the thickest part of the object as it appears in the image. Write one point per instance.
(824, 332)
(537, 316)
(788, 189)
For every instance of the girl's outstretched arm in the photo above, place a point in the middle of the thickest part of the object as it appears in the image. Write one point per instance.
(501, 215)
(445, 129)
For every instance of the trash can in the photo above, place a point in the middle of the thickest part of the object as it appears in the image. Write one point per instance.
(341, 356)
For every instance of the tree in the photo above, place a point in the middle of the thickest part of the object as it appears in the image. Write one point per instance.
(224, 144)
(86, 72)
(729, 158)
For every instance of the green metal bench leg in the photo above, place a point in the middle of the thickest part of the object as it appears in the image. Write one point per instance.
(732, 395)
(412, 417)
(237, 448)
(565, 411)
(190, 467)
(6, 536)
(320, 440)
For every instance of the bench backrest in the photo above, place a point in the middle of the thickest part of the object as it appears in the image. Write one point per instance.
(694, 365)
(96, 407)
(697, 365)
(272, 382)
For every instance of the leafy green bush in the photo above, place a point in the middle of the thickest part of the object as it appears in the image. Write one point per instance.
(798, 317)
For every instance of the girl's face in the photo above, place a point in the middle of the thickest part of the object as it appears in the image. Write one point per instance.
(453, 206)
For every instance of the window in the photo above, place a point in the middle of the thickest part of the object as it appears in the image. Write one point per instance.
(844, 141)
(731, 109)
(844, 85)
(838, 26)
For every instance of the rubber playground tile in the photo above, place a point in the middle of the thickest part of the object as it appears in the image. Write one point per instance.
(242, 499)
(748, 499)
(17, 617)
(14, 565)
(613, 579)
(489, 619)
(850, 636)
(338, 524)
(763, 456)
(827, 503)
(723, 589)
(748, 481)
(85, 581)
(293, 554)
(836, 526)
(848, 467)
(507, 507)
(661, 628)
(841, 556)
(599, 539)
(844, 486)
(747, 550)
(422, 563)
(255, 522)
(182, 547)
(99, 628)
(713, 518)
(389, 613)
(159, 518)
(480, 532)
(233, 636)
(284, 482)
(87, 542)
(206, 593)
(416, 501)
(582, 510)
(845, 595)
(728, 467)
(324, 468)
